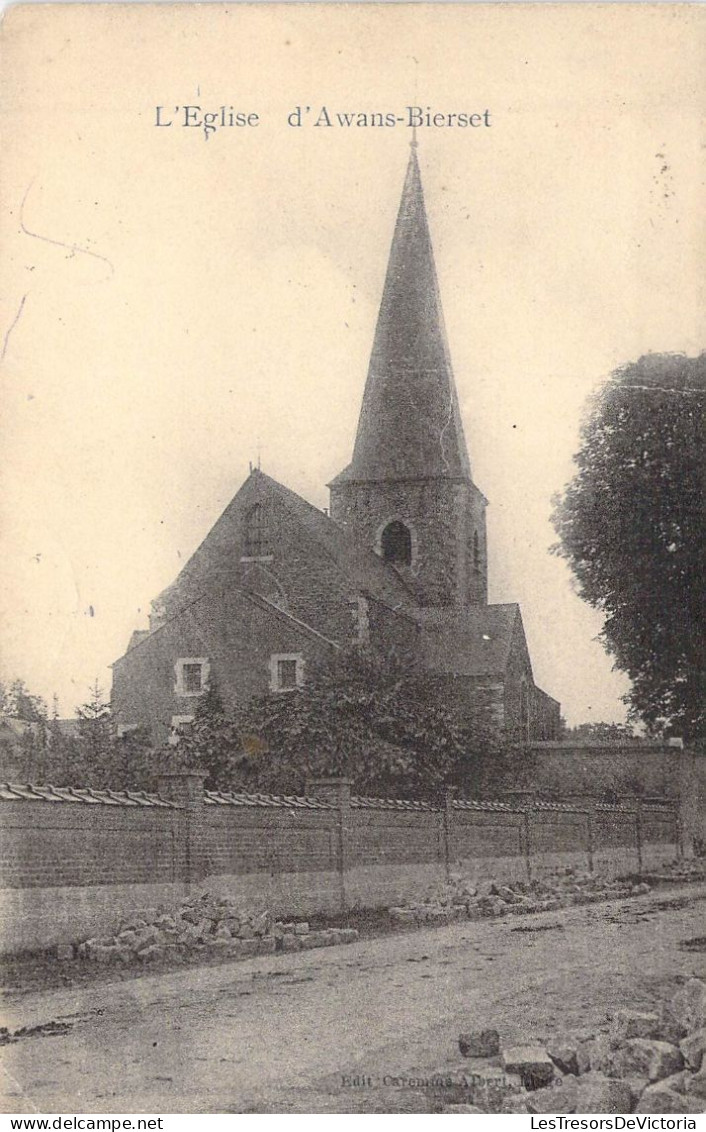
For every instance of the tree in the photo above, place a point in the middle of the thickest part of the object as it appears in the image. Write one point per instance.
(17, 701)
(362, 715)
(600, 733)
(95, 725)
(631, 526)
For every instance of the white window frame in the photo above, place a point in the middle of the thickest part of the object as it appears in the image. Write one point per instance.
(298, 658)
(177, 721)
(179, 688)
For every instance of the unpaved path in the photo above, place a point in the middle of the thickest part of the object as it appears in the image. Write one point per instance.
(280, 1033)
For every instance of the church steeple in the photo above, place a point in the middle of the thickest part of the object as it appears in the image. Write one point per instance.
(410, 425)
(408, 490)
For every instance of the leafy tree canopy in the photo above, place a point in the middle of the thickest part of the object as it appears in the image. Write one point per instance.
(600, 733)
(631, 525)
(17, 701)
(364, 716)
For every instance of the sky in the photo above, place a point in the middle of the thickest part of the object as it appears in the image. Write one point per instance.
(175, 307)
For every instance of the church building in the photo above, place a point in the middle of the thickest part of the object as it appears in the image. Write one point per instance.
(399, 561)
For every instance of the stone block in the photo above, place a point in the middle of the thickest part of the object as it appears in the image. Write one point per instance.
(592, 1054)
(267, 945)
(645, 1057)
(309, 941)
(249, 946)
(563, 1053)
(147, 954)
(479, 1043)
(64, 951)
(693, 1049)
(291, 942)
(558, 1097)
(597, 1093)
(492, 906)
(628, 1024)
(532, 1063)
(403, 916)
(261, 923)
(301, 928)
(245, 931)
(494, 1088)
(515, 1104)
(663, 1097)
(670, 1028)
(689, 1005)
(695, 1083)
(348, 935)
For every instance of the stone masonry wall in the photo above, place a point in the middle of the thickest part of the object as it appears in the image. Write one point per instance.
(442, 517)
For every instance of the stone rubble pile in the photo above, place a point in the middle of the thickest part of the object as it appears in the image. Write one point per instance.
(462, 899)
(203, 924)
(640, 1063)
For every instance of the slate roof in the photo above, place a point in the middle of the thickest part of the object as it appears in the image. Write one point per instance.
(410, 424)
(366, 571)
(208, 621)
(475, 641)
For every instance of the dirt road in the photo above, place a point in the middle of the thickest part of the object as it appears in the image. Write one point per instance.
(293, 1032)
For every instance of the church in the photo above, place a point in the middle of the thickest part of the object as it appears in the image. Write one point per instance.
(399, 561)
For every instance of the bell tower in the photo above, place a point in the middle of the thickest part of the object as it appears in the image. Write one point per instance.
(408, 490)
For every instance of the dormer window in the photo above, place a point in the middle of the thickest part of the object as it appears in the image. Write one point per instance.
(257, 533)
(191, 675)
(396, 544)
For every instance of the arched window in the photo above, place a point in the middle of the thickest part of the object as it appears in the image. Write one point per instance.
(476, 552)
(257, 538)
(396, 544)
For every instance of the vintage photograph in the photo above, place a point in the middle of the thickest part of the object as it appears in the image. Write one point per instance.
(352, 731)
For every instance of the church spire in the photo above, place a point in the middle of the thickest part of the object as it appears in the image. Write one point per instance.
(410, 425)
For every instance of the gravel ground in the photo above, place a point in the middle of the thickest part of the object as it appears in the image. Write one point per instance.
(344, 1029)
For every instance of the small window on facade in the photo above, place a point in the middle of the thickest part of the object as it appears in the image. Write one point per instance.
(476, 552)
(191, 675)
(396, 544)
(193, 678)
(286, 671)
(181, 725)
(257, 539)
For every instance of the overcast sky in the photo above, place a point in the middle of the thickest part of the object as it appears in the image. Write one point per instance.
(171, 305)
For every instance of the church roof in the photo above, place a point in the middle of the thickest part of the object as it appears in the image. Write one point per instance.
(364, 568)
(410, 424)
(475, 641)
(211, 564)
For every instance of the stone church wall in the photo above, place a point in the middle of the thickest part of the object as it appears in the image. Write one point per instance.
(236, 635)
(441, 534)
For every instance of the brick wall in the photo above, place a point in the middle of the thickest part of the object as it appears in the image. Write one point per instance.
(73, 862)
